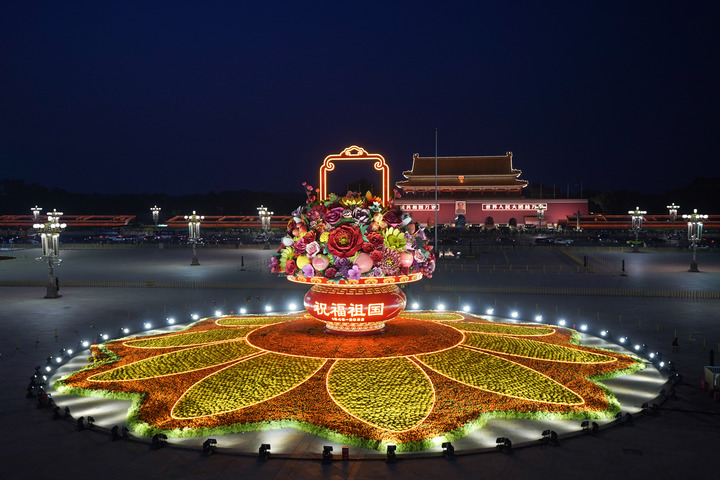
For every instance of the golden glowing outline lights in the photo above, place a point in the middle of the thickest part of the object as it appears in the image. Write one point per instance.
(356, 153)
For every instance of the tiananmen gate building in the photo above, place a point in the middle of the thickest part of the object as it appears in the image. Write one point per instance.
(478, 190)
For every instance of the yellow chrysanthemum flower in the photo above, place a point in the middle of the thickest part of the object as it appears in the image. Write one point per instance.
(395, 239)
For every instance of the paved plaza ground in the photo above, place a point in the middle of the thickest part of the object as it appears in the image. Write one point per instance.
(653, 300)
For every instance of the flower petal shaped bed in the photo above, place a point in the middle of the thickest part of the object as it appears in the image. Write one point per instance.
(431, 374)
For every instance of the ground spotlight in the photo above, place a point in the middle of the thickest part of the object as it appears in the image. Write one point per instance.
(209, 446)
(58, 359)
(268, 308)
(327, 455)
(48, 368)
(440, 307)
(490, 311)
(195, 316)
(159, 440)
(170, 321)
(514, 314)
(90, 421)
(549, 436)
(292, 307)
(264, 451)
(80, 422)
(466, 308)
(147, 325)
(85, 343)
(114, 433)
(243, 310)
(622, 339)
(104, 336)
(504, 444)
(583, 328)
(448, 450)
(538, 318)
(561, 322)
(415, 305)
(637, 347)
(585, 425)
(218, 313)
(124, 331)
(390, 454)
(604, 333)
(125, 432)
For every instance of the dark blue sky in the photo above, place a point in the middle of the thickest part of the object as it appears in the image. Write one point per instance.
(184, 97)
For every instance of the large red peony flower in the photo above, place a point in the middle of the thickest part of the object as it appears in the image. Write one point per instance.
(345, 240)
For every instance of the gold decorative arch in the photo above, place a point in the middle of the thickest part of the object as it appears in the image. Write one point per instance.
(356, 153)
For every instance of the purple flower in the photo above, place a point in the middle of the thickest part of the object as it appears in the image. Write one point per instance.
(308, 271)
(361, 216)
(334, 216)
(392, 218)
(354, 273)
(342, 263)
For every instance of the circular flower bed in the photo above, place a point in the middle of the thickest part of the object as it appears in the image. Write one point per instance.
(432, 374)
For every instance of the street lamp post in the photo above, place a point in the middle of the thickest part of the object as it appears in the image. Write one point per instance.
(540, 215)
(194, 234)
(155, 214)
(50, 241)
(673, 209)
(265, 215)
(637, 219)
(36, 213)
(694, 235)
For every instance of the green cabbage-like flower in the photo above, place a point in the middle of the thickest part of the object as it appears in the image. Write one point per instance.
(286, 254)
(395, 239)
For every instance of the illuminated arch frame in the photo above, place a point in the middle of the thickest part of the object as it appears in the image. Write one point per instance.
(356, 153)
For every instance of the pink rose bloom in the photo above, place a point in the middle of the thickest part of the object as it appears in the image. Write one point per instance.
(312, 249)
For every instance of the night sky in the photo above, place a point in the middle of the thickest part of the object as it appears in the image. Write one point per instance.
(191, 97)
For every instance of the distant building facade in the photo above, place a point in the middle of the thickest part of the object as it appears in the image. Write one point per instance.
(478, 190)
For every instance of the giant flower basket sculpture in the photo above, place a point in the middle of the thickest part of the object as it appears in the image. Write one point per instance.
(354, 251)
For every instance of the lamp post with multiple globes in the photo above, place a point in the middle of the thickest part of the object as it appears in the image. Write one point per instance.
(694, 235)
(155, 214)
(637, 219)
(672, 210)
(265, 215)
(50, 241)
(194, 234)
